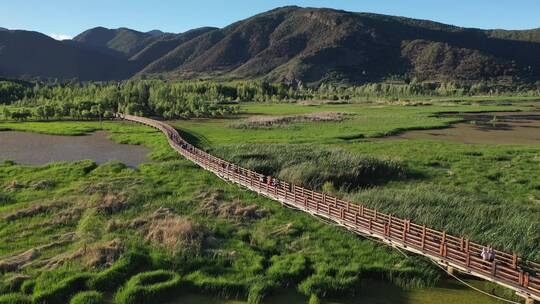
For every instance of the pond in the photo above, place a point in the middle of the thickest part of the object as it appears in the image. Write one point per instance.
(38, 149)
(485, 128)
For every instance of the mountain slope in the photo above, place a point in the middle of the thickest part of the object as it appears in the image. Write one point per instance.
(123, 41)
(314, 45)
(25, 53)
(287, 44)
(165, 44)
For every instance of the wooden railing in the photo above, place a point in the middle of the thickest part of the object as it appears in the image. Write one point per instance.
(506, 269)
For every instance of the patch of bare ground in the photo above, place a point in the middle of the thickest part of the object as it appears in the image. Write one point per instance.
(177, 234)
(39, 185)
(112, 186)
(265, 122)
(14, 186)
(213, 204)
(30, 211)
(100, 256)
(25, 259)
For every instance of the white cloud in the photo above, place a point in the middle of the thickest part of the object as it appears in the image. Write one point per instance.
(61, 36)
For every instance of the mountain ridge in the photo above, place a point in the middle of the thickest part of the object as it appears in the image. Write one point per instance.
(312, 45)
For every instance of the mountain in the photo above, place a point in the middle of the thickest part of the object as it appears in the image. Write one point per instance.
(124, 41)
(314, 45)
(25, 53)
(287, 44)
(165, 44)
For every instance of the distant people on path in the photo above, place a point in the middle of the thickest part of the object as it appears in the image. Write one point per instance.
(488, 254)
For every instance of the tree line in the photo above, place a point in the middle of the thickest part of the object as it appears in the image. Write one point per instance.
(188, 99)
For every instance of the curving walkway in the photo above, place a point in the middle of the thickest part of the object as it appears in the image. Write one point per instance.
(455, 253)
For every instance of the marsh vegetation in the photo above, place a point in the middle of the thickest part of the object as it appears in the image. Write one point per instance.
(87, 232)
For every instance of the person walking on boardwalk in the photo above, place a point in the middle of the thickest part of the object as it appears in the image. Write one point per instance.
(491, 254)
(484, 254)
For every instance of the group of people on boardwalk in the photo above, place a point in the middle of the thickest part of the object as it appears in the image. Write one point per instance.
(488, 254)
(270, 181)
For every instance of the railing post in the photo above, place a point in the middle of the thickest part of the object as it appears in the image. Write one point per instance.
(389, 225)
(514, 261)
(405, 229)
(423, 236)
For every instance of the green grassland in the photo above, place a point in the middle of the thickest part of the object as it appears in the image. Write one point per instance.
(493, 187)
(168, 227)
(367, 121)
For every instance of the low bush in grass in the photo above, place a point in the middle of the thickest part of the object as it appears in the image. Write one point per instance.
(288, 269)
(258, 290)
(311, 166)
(118, 273)
(154, 286)
(15, 298)
(27, 287)
(324, 285)
(12, 283)
(224, 286)
(88, 297)
(61, 292)
(414, 273)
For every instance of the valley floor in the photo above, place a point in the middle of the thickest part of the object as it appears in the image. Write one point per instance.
(104, 224)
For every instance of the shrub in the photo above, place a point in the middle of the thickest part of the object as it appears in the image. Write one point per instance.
(287, 269)
(14, 298)
(118, 273)
(327, 285)
(62, 291)
(311, 166)
(314, 299)
(88, 297)
(154, 286)
(258, 291)
(28, 287)
(215, 284)
(12, 284)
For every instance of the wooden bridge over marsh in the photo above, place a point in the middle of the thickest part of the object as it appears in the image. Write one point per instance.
(453, 252)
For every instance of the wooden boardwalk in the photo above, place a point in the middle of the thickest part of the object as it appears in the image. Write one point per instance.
(455, 253)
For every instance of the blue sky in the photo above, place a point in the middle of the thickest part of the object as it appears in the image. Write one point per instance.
(70, 17)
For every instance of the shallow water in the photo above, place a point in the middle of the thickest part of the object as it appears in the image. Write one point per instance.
(486, 128)
(37, 149)
(372, 292)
